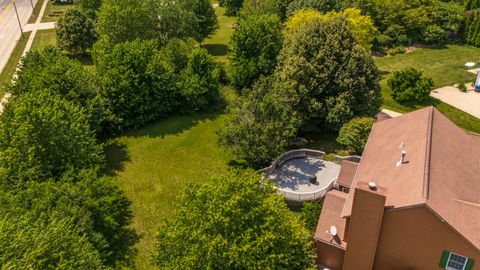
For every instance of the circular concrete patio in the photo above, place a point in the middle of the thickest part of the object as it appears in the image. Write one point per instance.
(294, 175)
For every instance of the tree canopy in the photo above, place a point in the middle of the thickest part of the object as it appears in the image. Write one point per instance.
(48, 69)
(362, 27)
(43, 136)
(322, 6)
(233, 224)
(75, 32)
(354, 134)
(137, 85)
(333, 76)
(265, 7)
(261, 124)
(253, 49)
(95, 213)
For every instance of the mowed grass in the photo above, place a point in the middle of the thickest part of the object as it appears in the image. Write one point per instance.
(36, 11)
(44, 38)
(154, 164)
(50, 16)
(7, 73)
(445, 66)
(217, 45)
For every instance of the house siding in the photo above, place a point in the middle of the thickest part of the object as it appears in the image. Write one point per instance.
(329, 256)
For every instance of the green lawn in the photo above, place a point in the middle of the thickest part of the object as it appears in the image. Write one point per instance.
(445, 66)
(217, 45)
(9, 69)
(44, 38)
(51, 8)
(154, 163)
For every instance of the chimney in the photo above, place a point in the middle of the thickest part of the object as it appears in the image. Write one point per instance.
(364, 226)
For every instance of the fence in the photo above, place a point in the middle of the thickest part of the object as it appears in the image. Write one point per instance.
(302, 153)
(305, 196)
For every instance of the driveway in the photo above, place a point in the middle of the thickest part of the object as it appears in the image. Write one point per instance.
(468, 102)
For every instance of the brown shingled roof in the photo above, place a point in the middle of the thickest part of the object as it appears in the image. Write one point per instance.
(347, 173)
(442, 169)
(330, 216)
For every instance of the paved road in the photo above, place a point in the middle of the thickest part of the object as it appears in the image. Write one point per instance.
(9, 28)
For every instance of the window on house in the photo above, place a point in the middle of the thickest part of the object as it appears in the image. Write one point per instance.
(456, 262)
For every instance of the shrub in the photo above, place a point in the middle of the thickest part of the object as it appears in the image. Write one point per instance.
(435, 35)
(354, 134)
(462, 87)
(396, 50)
(409, 85)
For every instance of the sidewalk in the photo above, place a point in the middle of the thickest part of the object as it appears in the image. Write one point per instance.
(41, 26)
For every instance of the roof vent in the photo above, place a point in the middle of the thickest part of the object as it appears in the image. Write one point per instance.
(333, 231)
(372, 185)
(402, 159)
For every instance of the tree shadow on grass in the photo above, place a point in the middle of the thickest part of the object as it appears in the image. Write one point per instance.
(413, 105)
(216, 49)
(116, 155)
(171, 126)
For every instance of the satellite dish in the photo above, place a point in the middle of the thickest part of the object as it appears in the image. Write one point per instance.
(333, 230)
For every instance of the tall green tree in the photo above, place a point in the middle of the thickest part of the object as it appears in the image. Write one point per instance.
(95, 209)
(124, 20)
(232, 7)
(265, 7)
(334, 78)
(205, 16)
(254, 47)
(138, 86)
(197, 85)
(57, 244)
(48, 69)
(75, 32)
(320, 5)
(90, 7)
(185, 19)
(260, 125)
(233, 224)
(42, 136)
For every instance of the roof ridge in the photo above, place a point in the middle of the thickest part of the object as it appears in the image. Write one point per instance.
(468, 203)
(428, 155)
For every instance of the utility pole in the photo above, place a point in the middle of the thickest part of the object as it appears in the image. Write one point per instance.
(33, 8)
(18, 18)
